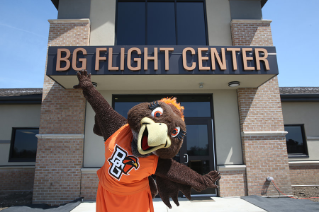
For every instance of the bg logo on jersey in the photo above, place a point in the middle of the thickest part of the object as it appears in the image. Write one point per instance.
(121, 163)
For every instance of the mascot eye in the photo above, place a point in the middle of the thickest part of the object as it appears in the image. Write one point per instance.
(176, 131)
(157, 112)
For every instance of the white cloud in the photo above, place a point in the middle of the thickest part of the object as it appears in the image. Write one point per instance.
(12, 27)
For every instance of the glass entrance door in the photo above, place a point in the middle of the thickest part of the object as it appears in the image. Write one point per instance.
(197, 151)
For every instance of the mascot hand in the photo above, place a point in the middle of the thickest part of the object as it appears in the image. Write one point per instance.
(169, 189)
(153, 187)
(210, 180)
(84, 80)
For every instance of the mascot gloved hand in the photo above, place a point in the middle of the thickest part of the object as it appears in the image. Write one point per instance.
(138, 147)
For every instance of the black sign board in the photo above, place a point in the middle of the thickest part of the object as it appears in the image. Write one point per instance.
(162, 60)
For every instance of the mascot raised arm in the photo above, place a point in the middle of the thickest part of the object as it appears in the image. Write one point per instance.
(138, 147)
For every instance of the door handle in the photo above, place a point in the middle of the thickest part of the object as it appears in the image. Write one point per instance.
(186, 156)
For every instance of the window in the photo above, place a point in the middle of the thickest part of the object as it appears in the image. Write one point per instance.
(23, 145)
(296, 140)
(195, 106)
(170, 22)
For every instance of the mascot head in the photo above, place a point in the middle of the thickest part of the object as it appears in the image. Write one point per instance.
(158, 128)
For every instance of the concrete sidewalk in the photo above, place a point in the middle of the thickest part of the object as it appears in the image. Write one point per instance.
(216, 204)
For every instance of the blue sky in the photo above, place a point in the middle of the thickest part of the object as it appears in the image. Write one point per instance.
(24, 30)
(295, 30)
(24, 36)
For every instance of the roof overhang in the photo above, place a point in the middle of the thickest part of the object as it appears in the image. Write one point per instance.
(299, 97)
(165, 82)
(263, 2)
(25, 99)
(55, 3)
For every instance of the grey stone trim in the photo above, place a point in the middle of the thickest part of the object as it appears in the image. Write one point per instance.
(232, 168)
(17, 167)
(312, 138)
(251, 21)
(84, 20)
(59, 135)
(263, 133)
(89, 170)
(303, 163)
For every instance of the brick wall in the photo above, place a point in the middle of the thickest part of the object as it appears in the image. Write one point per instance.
(58, 170)
(304, 174)
(59, 159)
(260, 110)
(62, 111)
(89, 184)
(232, 183)
(69, 32)
(266, 156)
(16, 179)
(251, 33)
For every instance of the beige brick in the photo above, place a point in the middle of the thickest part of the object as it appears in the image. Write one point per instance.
(253, 34)
(304, 174)
(89, 186)
(16, 179)
(232, 183)
(260, 110)
(59, 161)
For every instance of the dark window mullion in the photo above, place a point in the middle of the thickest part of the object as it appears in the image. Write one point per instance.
(205, 20)
(303, 133)
(176, 35)
(146, 4)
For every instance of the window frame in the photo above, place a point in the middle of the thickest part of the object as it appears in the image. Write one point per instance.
(13, 133)
(175, 1)
(178, 96)
(303, 134)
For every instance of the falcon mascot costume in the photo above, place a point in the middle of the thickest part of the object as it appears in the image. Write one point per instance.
(138, 147)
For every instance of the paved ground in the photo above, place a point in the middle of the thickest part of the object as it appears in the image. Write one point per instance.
(216, 204)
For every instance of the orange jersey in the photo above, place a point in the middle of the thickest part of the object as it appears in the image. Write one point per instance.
(123, 179)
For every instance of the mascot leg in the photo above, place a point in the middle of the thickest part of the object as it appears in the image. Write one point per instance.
(109, 202)
(100, 200)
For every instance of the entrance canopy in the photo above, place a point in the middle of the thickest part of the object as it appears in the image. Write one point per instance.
(163, 67)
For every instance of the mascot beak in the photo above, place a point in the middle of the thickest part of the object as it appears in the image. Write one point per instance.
(152, 136)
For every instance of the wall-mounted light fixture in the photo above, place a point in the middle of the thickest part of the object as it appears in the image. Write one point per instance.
(234, 84)
(201, 85)
(94, 84)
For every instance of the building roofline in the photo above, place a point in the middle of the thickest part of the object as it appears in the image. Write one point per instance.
(21, 96)
(5, 92)
(55, 3)
(299, 90)
(263, 2)
(26, 99)
(299, 97)
(299, 94)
